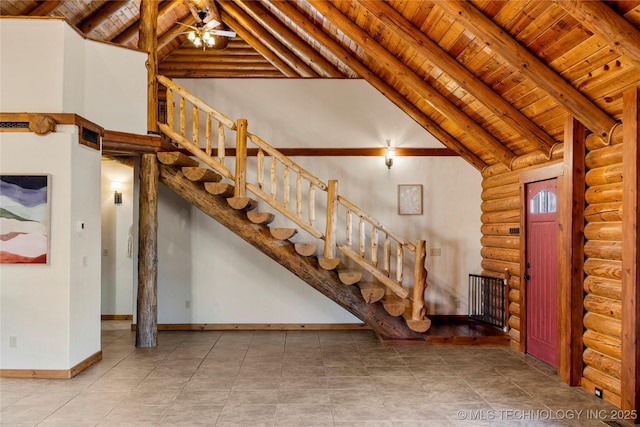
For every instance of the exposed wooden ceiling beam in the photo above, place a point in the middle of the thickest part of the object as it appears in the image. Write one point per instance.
(45, 8)
(290, 39)
(271, 43)
(286, 8)
(352, 63)
(131, 33)
(619, 33)
(392, 19)
(101, 15)
(396, 67)
(175, 31)
(530, 66)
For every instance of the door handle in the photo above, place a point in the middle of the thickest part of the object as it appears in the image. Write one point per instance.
(527, 277)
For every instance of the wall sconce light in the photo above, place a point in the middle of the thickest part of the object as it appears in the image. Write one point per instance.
(389, 154)
(117, 195)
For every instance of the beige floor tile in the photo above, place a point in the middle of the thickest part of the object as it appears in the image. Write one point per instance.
(302, 414)
(248, 415)
(189, 415)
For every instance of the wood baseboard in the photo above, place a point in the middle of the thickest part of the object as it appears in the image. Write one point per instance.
(259, 327)
(116, 317)
(52, 373)
(607, 395)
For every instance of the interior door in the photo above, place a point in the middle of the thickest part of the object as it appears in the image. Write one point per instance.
(541, 271)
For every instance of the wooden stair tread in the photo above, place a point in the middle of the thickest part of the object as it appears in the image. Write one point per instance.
(219, 189)
(242, 203)
(349, 276)
(371, 291)
(394, 305)
(199, 174)
(305, 249)
(328, 263)
(176, 158)
(282, 233)
(261, 217)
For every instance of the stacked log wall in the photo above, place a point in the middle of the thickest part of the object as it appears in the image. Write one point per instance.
(501, 217)
(603, 265)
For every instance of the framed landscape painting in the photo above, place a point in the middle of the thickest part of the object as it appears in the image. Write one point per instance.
(24, 219)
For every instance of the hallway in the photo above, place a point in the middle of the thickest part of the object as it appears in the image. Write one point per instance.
(301, 378)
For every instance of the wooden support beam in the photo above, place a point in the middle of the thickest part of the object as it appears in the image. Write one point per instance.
(530, 66)
(393, 20)
(101, 15)
(290, 39)
(147, 301)
(45, 8)
(430, 95)
(262, 41)
(630, 386)
(130, 34)
(621, 35)
(571, 266)
(350, 62)
(148, 42)
(306, 268)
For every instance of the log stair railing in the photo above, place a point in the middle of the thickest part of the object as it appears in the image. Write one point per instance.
(400, 295)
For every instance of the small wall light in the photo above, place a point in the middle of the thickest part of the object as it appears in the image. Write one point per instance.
(388, 156)
(117, 195)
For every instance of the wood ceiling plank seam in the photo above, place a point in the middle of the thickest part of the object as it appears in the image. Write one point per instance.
(44, 8)
(461, 43)
(534, 95)
(439, 30)
(603, 74)
(289, 38)
(624, 80)
(99, 16)
(500, 77)
(589, 64)
(508, 12)
(576, 103)
(563, 45)
(174, 10)
(472, 50)
(531, 10)
(619, 33)
(541, 24)
(633, 16)
(436, 100)
(554, 34)
(493, 7)
(508, 84)
(421, 13)
(264, 39)
(18, 8)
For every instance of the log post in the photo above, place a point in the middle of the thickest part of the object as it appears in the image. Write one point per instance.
(630, 386)
(148, 42)
(571, 266)
(332, 220)
(147, 304)
(419, 281)
(241, 159)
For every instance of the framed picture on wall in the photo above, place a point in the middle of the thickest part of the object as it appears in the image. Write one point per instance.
(410, 199)
(24, 219)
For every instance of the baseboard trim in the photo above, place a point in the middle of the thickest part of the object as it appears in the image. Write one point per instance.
(259, 327)
(116, 317)
(52, 373)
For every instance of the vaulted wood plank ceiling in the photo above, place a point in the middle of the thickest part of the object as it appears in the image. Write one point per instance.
(491, 79)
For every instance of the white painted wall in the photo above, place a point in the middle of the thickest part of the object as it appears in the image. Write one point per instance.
(117, 220)
(226, 280)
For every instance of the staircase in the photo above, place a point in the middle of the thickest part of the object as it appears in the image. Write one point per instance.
(389, 301)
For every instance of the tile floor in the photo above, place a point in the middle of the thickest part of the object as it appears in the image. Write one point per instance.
(302, 378)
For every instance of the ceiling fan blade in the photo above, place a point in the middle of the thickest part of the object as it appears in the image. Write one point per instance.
(211, 24)
(223, 33)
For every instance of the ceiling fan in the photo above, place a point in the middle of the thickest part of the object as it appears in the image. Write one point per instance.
(206, 35)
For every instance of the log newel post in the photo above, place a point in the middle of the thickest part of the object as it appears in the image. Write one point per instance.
(332, 220)
(507, 277)
(630, 386)
(147, 301)
(419, 281)
(241, 159)
(148, 42)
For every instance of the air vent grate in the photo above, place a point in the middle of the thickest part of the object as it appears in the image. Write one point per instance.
(14, 125)
(514, 230)
(90, 136)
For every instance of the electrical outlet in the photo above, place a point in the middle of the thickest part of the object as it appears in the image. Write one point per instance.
(187, 304)
(85, 261)
(13, 342)
(598, 392)
(435, 252)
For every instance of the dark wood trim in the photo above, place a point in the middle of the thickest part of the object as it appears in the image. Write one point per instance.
(534, 174)
(571, 189)
(115, 142)
(116, 317)
(52, 373)
(630, 386)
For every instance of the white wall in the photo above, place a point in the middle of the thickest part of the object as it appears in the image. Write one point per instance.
(225, 280)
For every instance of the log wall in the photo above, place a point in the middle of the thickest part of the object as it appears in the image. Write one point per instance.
(603, 266)
(502, 245)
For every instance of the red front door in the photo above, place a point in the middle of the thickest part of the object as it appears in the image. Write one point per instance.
(542, 271)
